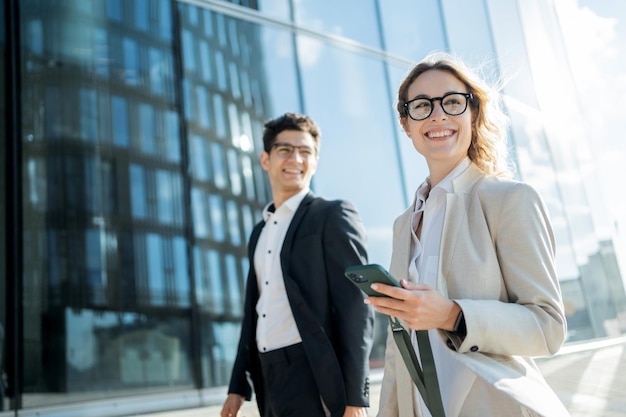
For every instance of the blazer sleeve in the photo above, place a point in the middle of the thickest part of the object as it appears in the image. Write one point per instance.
(344, 243)
(528, 318)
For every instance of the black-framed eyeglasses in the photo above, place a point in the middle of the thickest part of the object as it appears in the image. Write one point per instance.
(286, 150)
(452, 104)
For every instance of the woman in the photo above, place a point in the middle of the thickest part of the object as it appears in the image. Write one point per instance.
(475, 256)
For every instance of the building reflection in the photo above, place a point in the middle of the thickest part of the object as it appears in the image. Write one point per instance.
(141, 127)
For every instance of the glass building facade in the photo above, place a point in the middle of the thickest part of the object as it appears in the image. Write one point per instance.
(131, 176)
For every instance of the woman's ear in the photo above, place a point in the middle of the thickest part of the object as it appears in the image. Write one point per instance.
(405, 126)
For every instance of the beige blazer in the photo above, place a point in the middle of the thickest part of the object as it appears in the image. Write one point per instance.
(497, 262)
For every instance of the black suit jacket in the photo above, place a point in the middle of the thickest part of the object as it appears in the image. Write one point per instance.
(335, 325)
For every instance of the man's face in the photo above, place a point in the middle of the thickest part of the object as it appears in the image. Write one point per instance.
(290, 169)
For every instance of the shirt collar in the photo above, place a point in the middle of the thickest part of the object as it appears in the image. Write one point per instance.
(446, 184)
(291, 203)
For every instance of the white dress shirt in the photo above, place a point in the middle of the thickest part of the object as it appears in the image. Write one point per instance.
(454, 379)
(276, 326)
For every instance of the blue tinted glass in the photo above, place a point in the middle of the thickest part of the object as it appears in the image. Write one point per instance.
(199, 212)
(138, 191)
(180, 271)
(414, 32)
(234, 231)
(338, 120)
(218, 225)
(333, 17)
(142, 14)
(156, 278)
(172, 136)
(214, 279)
(119, 121)
(235, 172)
(218, 165)
(235, 289)
(88, 114)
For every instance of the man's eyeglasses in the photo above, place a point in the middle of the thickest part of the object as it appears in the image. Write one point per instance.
(286, 150)
(452, 104)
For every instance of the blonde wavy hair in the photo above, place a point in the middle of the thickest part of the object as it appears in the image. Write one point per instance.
(488, 148)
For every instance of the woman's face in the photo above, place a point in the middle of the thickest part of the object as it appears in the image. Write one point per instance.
(442, 139)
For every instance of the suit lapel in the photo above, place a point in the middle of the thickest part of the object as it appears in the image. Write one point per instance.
(291, 232)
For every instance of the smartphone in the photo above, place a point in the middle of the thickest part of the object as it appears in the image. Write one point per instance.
(363, 276)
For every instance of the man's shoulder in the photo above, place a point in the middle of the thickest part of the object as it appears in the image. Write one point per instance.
(322, 203)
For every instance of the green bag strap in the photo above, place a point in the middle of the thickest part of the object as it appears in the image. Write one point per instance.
(426, 380)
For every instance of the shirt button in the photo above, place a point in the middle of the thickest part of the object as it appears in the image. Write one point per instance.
(267, 283)
(474, 348)
(275, 222)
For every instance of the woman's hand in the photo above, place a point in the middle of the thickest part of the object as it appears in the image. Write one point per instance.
(419, 306)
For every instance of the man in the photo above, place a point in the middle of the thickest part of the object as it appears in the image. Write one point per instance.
(306, 334)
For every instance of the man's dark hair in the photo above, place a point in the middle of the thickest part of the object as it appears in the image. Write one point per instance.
(290, 121)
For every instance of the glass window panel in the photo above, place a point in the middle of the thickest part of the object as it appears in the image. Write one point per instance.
(235, 127)
(235, 172)
(245, 88)
(142, 15)
(93, 185)
(96, 276)
(157, 71)
(214, 278)
(207, 19)
(156, 277)
(202, 103)
(36, 191)
(234, 80)
(199, 213)
(415, 32)
(35, 36)
(246, 143)
(248, 178)
(165, 19)
(172, 136)
(247, 219)
(53, 125)
(235, 289)
(165, 191)
(193, 15)
(131, 61)
(220, 116)
(220, 69)
(205, 62)
(345, 73)
(146, 128)
(199, 158)
(88, 114)
(331, 17)
(234, 37)
(137, 192)
(275, 8)
(280, 73)
(218, 165)
(221, 30)
(101, 52)
(472, 45)
(188, 100)
(200, 277)
(119, 121)
(188, 51)
(115, 9)
(234, 231)
(216, 210)
(181, 273)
